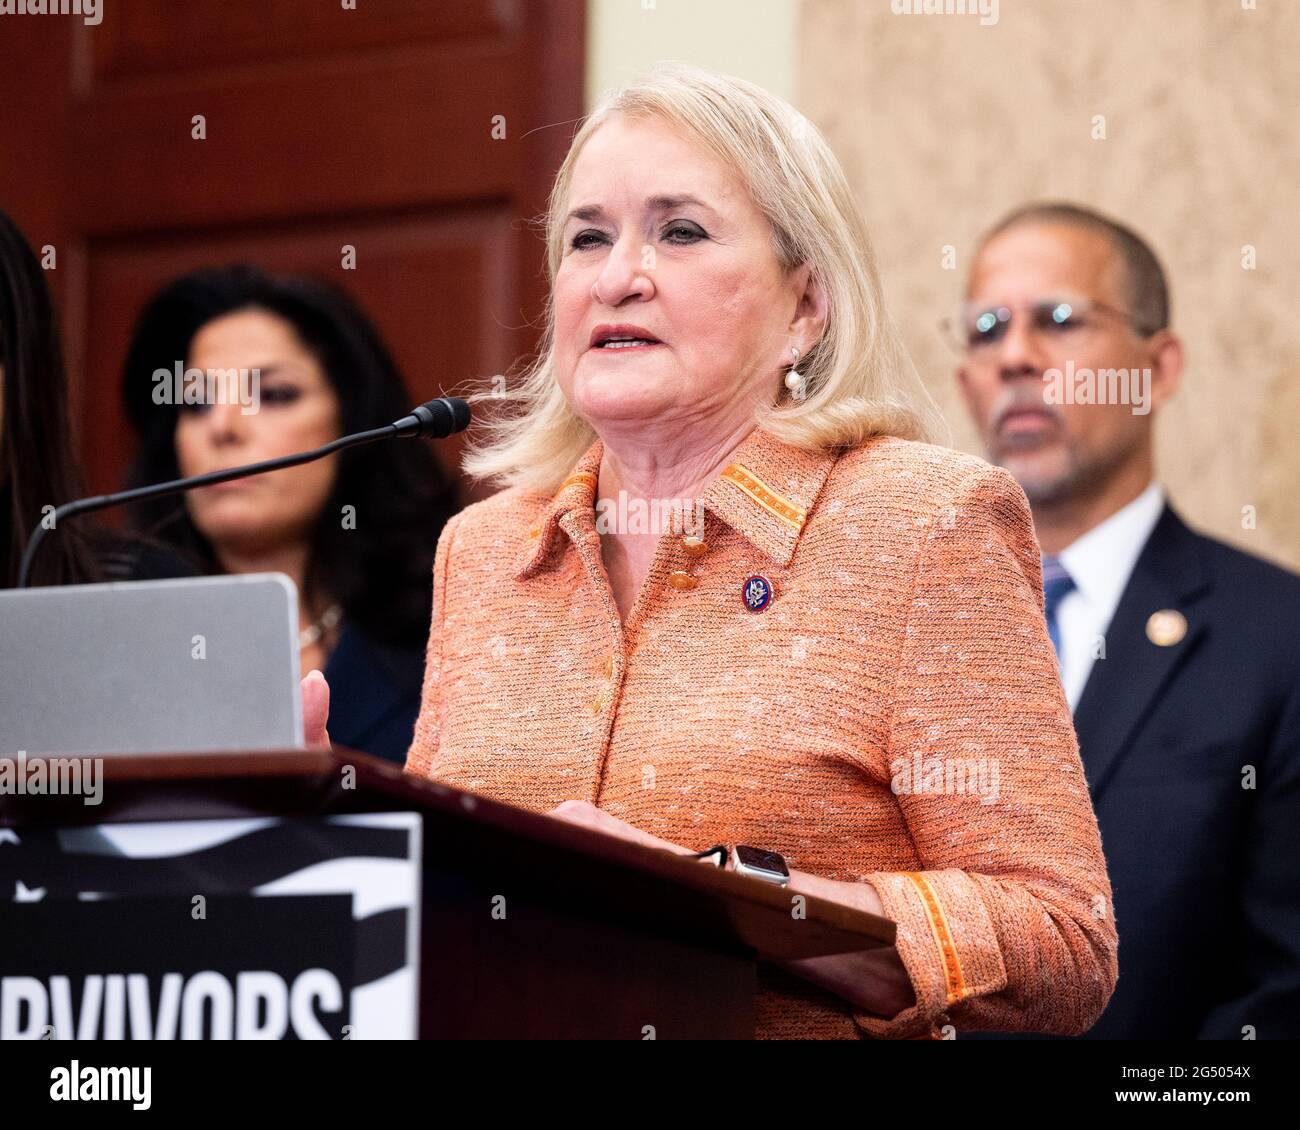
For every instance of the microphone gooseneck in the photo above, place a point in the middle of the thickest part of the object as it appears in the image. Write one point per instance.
(435, 419)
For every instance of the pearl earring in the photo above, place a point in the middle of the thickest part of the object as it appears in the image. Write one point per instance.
(794, 378)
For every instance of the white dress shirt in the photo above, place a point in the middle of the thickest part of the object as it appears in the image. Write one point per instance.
(1101, 562)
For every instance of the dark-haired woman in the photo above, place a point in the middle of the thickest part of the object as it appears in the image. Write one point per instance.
(300, 365)
(37, 466)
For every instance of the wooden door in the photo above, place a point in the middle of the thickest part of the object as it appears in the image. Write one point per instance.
(422, 133)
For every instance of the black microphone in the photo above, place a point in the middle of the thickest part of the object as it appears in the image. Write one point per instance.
(435, 419)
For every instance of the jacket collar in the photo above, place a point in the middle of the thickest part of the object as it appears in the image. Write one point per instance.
(577, 493)
(766, 494)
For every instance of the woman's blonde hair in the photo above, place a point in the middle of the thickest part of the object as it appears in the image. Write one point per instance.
(859, 380)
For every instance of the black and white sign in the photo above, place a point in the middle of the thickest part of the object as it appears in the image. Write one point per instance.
(214, 929)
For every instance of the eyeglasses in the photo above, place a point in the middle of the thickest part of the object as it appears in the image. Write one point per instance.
(979, 327)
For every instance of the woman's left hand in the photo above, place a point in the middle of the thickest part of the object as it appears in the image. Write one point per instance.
(589, 816)
(874, 980)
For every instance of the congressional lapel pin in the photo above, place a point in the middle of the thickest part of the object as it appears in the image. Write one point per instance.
(757, 592)
(1166, 627)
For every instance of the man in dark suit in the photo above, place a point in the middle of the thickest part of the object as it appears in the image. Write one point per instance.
(1180, 656)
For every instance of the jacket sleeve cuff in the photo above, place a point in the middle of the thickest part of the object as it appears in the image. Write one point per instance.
(947, 943)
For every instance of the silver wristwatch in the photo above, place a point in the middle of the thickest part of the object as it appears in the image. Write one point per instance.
(759, 864)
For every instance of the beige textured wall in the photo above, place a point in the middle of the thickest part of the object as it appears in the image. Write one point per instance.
(754, 39)
(944, 124)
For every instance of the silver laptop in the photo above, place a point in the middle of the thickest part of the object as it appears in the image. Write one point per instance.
(207, 663)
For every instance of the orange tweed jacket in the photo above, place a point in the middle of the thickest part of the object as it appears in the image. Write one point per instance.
(892, 716)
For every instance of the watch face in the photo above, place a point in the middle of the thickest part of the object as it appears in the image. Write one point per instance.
(761, 860)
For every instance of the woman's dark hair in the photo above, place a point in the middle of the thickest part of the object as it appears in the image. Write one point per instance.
(381, 572)
(37, 467)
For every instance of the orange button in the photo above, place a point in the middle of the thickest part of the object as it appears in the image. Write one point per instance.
(694, 546)
(682, 580)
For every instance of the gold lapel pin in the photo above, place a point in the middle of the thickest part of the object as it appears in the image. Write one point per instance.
(1166, 627)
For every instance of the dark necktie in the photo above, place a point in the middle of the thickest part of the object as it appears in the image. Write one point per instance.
(1056, 584)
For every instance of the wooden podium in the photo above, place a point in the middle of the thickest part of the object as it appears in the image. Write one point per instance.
(602, 938)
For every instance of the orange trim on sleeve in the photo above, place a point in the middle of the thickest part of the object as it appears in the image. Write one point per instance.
(953, 975)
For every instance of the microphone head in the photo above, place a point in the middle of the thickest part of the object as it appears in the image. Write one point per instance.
(436, 418)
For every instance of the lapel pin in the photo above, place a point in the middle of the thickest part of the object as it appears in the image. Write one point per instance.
(1166, 627)
(757, 592)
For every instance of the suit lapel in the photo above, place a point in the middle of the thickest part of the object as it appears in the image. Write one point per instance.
(1123, 688)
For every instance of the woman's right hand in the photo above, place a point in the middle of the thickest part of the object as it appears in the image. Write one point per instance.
(315, 710)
